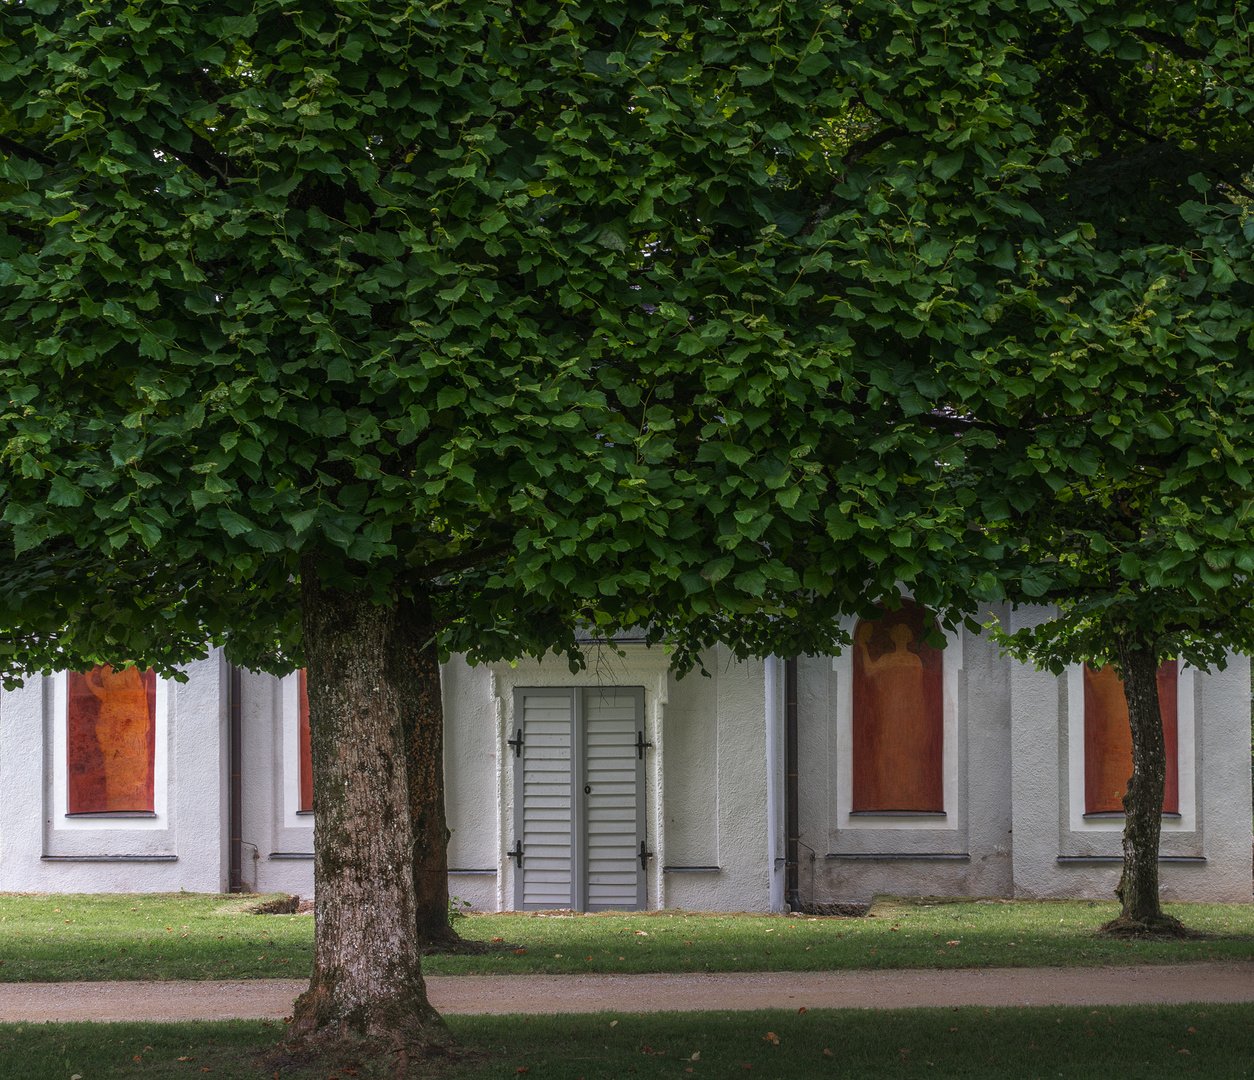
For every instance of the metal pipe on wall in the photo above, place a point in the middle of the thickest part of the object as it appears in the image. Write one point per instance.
(235, 878)
(792, 799)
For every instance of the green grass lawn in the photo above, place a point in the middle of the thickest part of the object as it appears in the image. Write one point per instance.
(50, 938)
(191, 936)
(1212, 1041)
(900, 934)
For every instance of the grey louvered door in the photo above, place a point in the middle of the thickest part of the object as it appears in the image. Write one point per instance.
(579, 798)
(613, 800)
(542, 789)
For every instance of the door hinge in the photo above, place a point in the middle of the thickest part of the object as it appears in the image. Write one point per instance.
(644, 856)
(641, 744)
(517, 853)
(517, 743)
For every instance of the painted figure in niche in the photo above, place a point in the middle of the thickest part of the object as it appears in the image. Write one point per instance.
(111, 739)
(1108, 740)
(898, 721)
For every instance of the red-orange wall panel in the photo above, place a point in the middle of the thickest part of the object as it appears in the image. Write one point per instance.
(111, 732)
(1108, 739)
(898, 715)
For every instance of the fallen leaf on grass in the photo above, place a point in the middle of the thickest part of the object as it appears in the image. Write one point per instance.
(828, 1053)
(522, 1070)
(771, 1037)
(953, 943)
(803, 1009)
(190, 1058)
(613, 1023)
(642, 933)
(496, 939)
(1182, 1052)
(519, 952)
(696, 1056)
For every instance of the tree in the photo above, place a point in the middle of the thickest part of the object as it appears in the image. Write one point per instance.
(1111, 416)
(334, 334)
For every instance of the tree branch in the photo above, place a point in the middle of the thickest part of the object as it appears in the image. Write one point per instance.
(1171, 43)
(465, 561)
(26, 151)
(855, 154)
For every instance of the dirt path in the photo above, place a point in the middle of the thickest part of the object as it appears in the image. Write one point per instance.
(272, 998)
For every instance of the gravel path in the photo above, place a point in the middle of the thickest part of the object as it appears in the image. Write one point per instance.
(272, 998)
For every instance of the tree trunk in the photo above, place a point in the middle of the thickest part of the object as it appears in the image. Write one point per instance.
(422, 720)
(1143, 803)
(367, 979)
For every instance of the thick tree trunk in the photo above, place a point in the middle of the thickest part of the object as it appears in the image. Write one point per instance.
(1143, 804)
(367, 979)
(423, 724)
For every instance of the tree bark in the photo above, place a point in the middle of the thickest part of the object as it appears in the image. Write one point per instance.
(422, 721)
(367, 978)
(1137, 890)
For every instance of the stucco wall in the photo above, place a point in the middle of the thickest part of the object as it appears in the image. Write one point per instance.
(849, 858)
(715, 766)
(471, 784)
(1058, 852)
(277, 839)
(181, 847)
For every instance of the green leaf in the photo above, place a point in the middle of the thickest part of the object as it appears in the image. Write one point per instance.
(947, 166)
(64, 493)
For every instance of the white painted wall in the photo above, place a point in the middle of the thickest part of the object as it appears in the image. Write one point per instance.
(714, 786)
(182, 847)
(717, 801)
(1059, 853)
(277, 839)
(472, 783)
(847, 858)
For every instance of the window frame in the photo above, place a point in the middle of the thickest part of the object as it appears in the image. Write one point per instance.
(128, 820)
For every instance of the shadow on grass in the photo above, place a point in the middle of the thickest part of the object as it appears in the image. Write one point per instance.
(1210, 1041)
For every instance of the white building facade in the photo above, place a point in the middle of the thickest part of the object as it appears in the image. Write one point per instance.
(762, 786)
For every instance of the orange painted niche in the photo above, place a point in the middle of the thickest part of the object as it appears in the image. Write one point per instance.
(1108, 739)
(898, 716)
(306, 754)
(111, 739)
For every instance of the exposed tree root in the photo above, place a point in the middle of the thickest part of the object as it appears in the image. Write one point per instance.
(370, 1057)
(450, 941)
(1161, 925)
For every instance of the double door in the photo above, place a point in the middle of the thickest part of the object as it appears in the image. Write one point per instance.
(579, 798)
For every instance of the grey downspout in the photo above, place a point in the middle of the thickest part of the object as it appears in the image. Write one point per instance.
(235, 880)
(792, 802)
